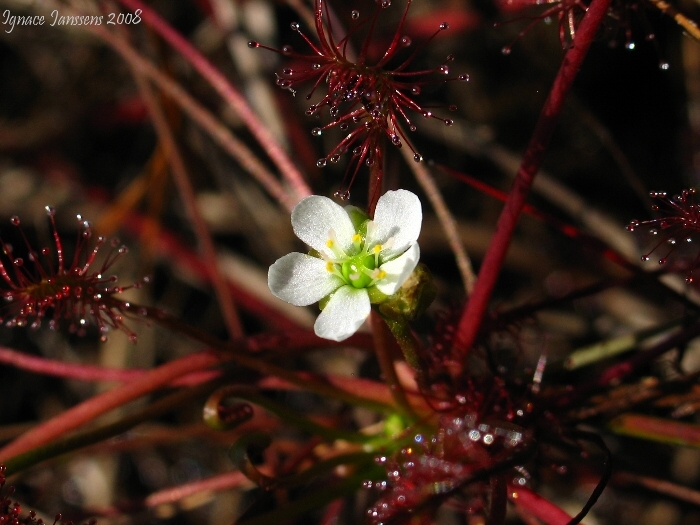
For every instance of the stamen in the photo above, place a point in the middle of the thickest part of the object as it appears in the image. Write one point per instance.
(357, 240)
(330, 267)
(333, 245)
(378, 248)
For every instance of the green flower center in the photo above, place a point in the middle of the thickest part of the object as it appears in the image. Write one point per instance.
(357, 270)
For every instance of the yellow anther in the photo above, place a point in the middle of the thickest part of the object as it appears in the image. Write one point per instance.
(381, 274)
(330, 243)
(377, 249)
(330, 266)
(357, 238)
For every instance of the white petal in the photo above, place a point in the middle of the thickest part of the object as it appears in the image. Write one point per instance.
(398, 215)
(315, 216)
(398, 270)
(345, 312)
(301, 279)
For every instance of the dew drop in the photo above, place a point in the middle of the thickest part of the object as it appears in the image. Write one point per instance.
(630, 45)
(253, 44)
(415, 90)
(343, 126)
(405, 41)
(317, 132)
(689, 279)
(14, 220)
(445, 70)
(356, 152)
(645, 258)
(18, 262)
(321, 163)
(412, 127)
(335, 158)
(385, 4)
(449, 122)
(506, 50)
(355, 14)
(294, 26)
(418, 157)
(287, 50)
(342, 195)
(133, 339)
(369, 161)
(663, 260)
(463, 78)
(664, 65)
(287, 71)
(444, 26)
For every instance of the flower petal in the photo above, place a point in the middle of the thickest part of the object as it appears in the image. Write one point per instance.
(398, 215)
(301, 279)
(345, 312)
(315, 216)
(397, 270)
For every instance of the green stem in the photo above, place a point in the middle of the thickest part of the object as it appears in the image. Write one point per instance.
(386, 364)
(407, 342)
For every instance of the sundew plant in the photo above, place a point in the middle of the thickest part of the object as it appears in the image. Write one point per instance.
(379, 262)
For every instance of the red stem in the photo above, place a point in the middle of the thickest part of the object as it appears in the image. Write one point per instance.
(81, 372)
(94, 407)
(546, 511)
(475, 309)
(229, 93)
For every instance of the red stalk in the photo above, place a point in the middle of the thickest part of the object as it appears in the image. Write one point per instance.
(546, 511)
(227, 91)
(94, 407)
(475, 309)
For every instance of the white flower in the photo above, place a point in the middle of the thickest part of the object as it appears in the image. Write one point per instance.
(355, 257)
